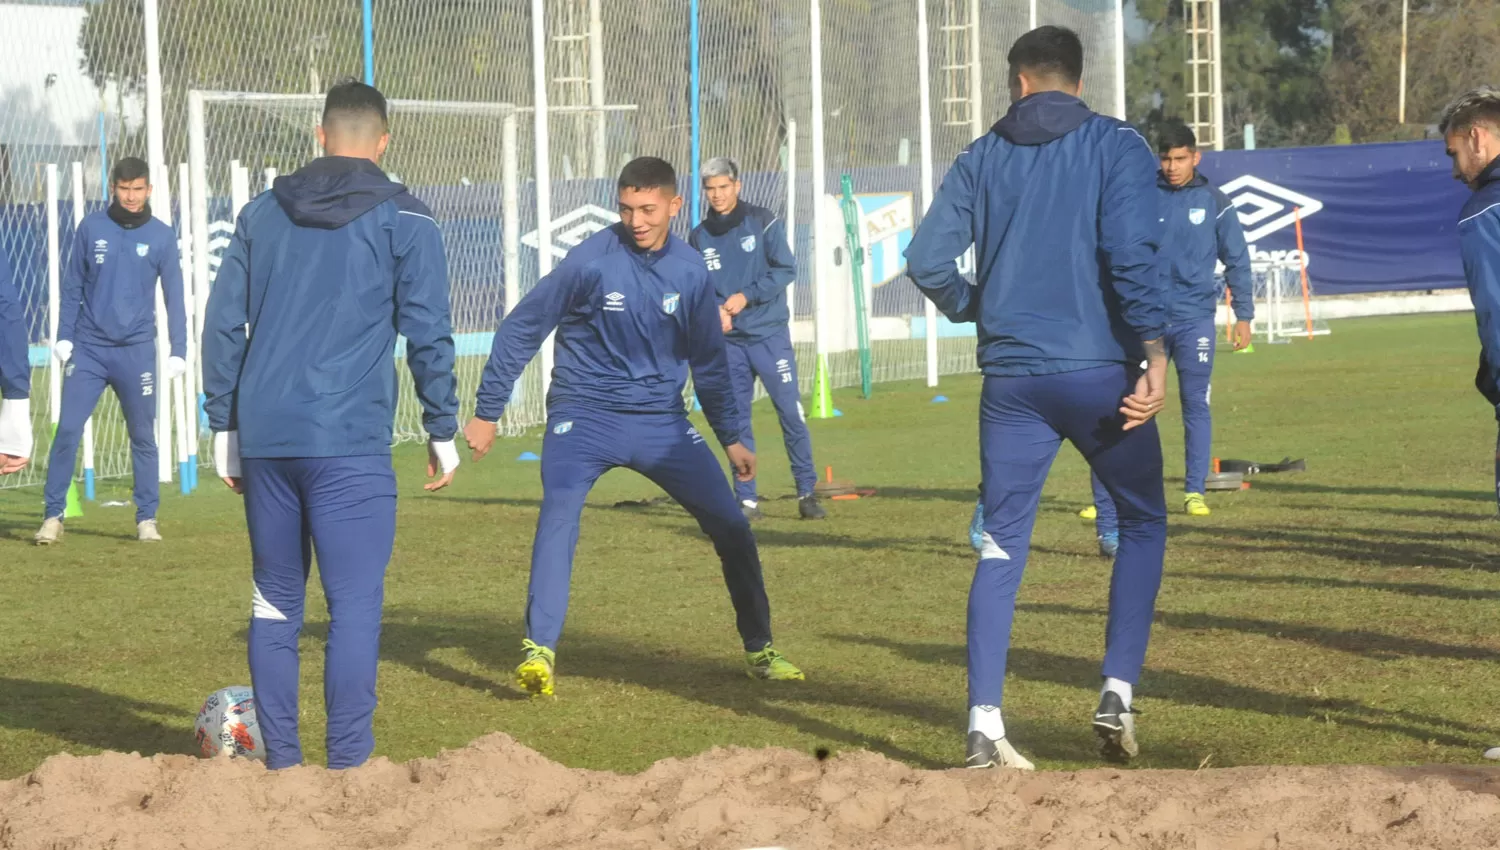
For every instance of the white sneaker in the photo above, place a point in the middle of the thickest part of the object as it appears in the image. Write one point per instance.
(50, 532)
(984, 752)
(146, 532)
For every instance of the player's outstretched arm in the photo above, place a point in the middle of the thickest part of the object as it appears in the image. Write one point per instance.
(226, 335)
(1235, 255)
(169, 272)
(1130, 235)
(710, 366)
(70, 292)
(1479, 244)
(946, 232)
(424, 317)
(517, 341)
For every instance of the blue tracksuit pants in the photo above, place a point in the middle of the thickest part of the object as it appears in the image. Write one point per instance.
(1022, 423)
(1191, 347)
(344, 510)
(774, 361)
(129, 370)
(581, 445)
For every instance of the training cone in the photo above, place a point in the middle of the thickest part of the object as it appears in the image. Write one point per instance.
(74, 505)
(527, 457)
(822, 407)
(1249, 349)
(939, 399)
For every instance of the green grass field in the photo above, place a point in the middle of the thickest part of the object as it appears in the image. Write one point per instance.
(1342, 615)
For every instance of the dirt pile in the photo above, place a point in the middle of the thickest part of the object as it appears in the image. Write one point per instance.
(497, 793)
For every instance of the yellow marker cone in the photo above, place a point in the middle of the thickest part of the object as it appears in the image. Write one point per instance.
(822, 406)
(74, 506)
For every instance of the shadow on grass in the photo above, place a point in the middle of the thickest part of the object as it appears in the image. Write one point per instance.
(1384, 546)
(411, 639)
(1262, 483)
(91, 718)
(1365, 644)
(1435, 591)
(1196, 690)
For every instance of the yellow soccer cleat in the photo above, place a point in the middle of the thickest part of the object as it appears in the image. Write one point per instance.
(1089, 512)
(1193, 504)
(534, 676)
(772, 666)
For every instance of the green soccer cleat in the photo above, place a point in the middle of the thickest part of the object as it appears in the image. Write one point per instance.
(1194, 505)
(534, 676)
(772, 666)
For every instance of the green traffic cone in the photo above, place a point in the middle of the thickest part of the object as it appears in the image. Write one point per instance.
(1249, 349)
(822, 407)
(74, 506)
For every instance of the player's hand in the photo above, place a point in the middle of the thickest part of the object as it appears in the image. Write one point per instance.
(176, 367)
(62, 350)
(16, 440)
(736, 304)
(227, 460)
(480, 435)
(726, 320)
(1150, 393)
(1241, 336)
(442, 457)
(10, 464)
(743, 461)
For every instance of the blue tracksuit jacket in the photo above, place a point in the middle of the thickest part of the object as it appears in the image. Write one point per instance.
(1479, 241)
(15, 365)
(1202, 227)
(1061, 206)
(629, 325)
(746, 252)
(108, 293)
(300, 332)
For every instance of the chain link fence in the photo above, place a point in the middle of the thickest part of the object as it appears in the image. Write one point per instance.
(619, 82)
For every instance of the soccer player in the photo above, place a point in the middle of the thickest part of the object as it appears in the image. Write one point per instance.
(1202, 230)
(634, 310)
(106, 336)
(324, 271)
(1059, 204)
(1471, 127)
(15, 376)
(751, 265)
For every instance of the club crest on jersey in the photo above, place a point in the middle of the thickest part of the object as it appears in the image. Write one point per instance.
(748, 243)
(1197, 215)
(670, 301)
(141, 249)
(101, 247)
(562, 428)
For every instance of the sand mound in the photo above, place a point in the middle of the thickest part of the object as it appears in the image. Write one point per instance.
(497, 793)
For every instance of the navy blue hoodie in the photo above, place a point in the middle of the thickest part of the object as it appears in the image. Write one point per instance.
(1479, 243)
(1202, 230)
(108, 294)
(630, 324)
(15, 365)
(324, 271)
(747, 253)
(1060, 204)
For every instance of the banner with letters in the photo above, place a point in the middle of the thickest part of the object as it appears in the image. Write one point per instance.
(1374, 217)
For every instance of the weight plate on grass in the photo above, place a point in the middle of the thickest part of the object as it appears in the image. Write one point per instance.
(1224, 480)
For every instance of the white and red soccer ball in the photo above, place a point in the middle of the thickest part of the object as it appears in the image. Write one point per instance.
(227, 726)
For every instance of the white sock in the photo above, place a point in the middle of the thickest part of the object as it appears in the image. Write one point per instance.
(986, 719)
(1123, 688)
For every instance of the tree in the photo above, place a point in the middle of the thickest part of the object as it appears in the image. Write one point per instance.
(1274, 52)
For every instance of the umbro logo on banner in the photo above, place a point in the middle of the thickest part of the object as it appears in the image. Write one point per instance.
(1264, 207)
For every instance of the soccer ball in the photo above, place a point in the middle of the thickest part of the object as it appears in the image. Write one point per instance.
(227, 727)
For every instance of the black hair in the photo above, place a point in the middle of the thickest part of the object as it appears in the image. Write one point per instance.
(1049, 51)
(1176, 135)
(128, 169)
(352, 100)
(648, 172)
